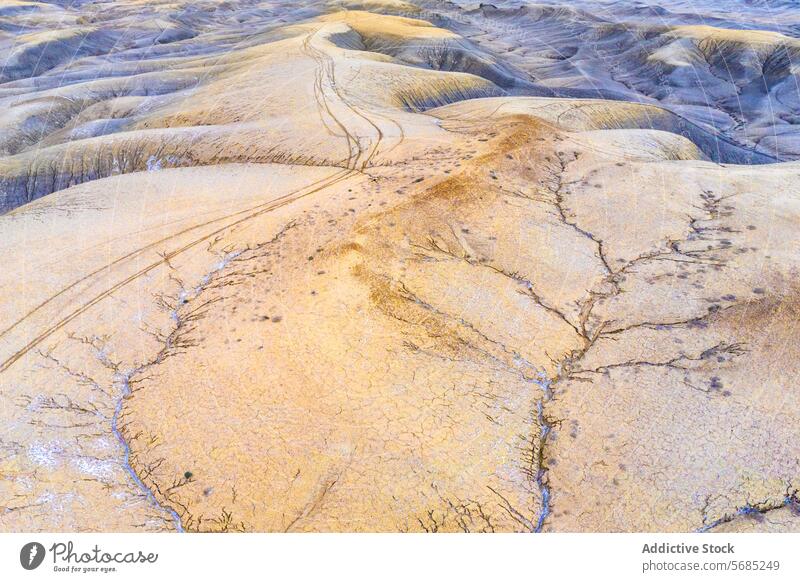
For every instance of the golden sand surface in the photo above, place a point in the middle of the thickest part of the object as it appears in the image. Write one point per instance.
(326, 289)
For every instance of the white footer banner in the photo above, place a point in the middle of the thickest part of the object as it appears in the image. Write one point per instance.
(350, 557)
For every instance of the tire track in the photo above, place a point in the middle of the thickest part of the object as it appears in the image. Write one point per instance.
(134, 254)
(401, 132)
(325, 70)
(266, 207)
(327, 67)
(322, 101)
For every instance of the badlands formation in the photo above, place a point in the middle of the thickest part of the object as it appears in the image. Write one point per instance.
(355, 267)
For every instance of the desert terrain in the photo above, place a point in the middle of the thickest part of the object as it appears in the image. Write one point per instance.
(359, 266)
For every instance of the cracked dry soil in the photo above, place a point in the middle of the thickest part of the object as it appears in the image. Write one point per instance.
(456, 319)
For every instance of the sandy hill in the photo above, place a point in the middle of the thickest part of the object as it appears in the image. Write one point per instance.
(711, 65)
(303, 279)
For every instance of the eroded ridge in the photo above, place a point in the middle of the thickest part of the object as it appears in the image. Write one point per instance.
(387, 293)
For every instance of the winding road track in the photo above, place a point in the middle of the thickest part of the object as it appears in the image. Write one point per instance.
(239, 217)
